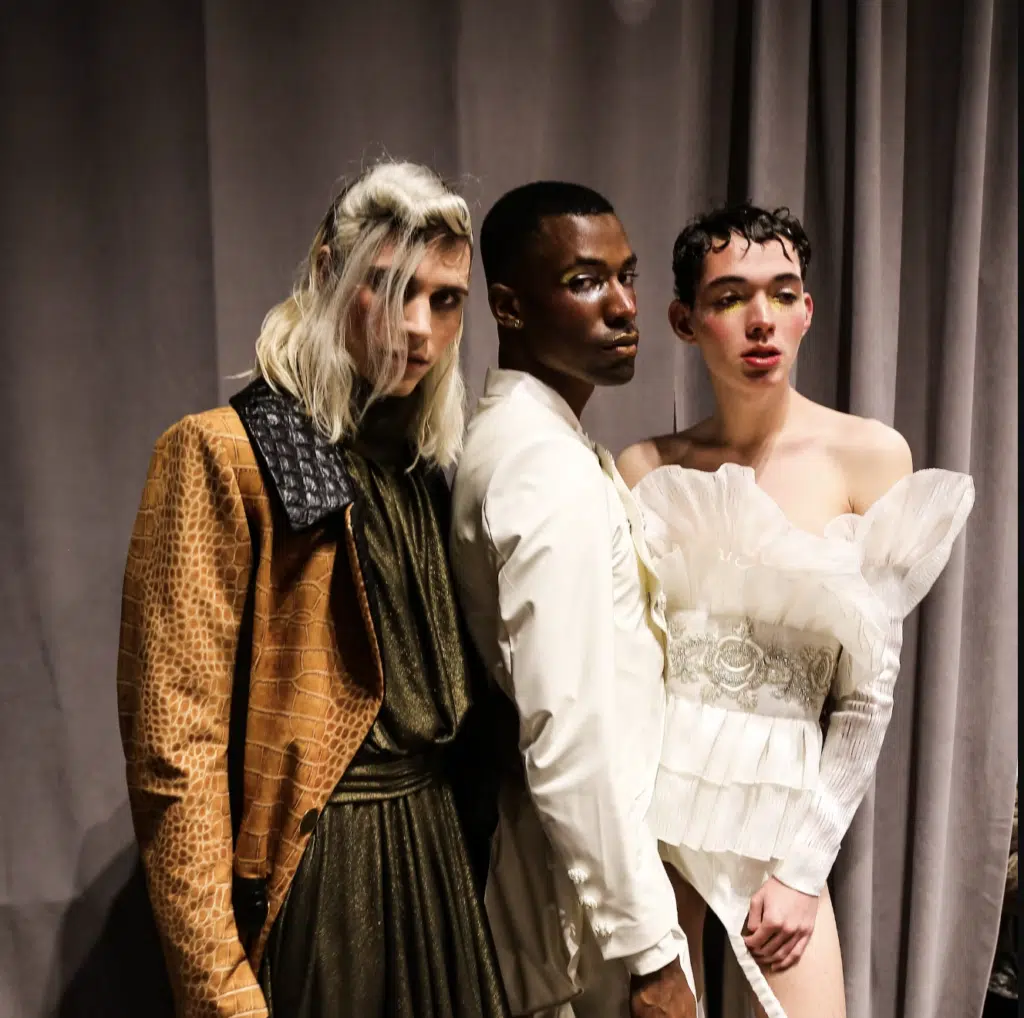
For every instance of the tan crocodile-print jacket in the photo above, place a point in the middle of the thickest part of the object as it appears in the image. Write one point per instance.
(315, 690)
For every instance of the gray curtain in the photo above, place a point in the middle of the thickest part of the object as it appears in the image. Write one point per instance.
(162, 167)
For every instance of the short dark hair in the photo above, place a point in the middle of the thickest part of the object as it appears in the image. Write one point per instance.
(516, 217)
(715, 229)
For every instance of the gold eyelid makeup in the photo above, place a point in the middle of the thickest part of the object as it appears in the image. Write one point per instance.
(594, 271)
(577, 271)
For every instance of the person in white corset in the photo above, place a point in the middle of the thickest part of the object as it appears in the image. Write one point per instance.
(791, 541)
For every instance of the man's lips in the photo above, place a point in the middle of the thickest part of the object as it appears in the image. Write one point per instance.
(763, 356)
(625, 342)
(417, 359)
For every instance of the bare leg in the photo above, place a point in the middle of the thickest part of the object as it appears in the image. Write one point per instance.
(691, 909)
(813, 987)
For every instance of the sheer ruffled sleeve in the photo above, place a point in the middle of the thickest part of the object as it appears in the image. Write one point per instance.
(907, 536)
(905, 540)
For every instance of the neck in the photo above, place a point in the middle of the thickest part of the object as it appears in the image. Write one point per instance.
(747, 421)
(512, 357)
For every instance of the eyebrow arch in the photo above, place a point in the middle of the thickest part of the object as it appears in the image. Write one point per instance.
(453, 288)
(585, 263)
(595, 263)
(378, 272)
(782, 277)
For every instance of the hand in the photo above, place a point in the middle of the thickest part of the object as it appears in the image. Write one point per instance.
(662, 994)
(779, 925)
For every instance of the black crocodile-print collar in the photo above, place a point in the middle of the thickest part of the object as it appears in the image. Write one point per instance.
(306, 471)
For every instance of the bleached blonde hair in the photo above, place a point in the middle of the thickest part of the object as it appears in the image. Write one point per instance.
(303, 343)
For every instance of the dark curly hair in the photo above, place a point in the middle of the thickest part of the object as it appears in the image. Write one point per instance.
(714, 231)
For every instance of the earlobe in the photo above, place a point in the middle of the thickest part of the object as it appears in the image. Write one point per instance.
(808, 312)
(679, 318)
(504, 306)
(324, 263)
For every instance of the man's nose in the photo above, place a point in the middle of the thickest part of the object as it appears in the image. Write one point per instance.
(760, 321)
(621, 301)
(417, 321)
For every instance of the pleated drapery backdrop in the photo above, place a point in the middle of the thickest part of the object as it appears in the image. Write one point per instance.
(162, 168)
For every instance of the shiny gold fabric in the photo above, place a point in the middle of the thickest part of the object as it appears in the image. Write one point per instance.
(383, 917)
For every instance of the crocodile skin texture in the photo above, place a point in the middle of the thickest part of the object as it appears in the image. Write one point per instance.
(307, 472)
(206, 520)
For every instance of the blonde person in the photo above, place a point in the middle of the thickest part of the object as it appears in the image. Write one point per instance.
(791, 541)
(292, 685)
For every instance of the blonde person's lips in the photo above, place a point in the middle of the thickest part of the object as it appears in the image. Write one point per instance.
(414, 359)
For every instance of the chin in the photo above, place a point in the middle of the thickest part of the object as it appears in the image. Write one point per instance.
(767, 379)
(406, 387)
(618, 376)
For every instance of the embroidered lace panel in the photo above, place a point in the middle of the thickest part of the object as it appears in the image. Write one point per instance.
(730, 664)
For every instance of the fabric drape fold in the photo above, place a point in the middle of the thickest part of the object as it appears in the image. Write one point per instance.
(161, 167)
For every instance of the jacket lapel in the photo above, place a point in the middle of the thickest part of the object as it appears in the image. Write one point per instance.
(305, 470)
(655, 595)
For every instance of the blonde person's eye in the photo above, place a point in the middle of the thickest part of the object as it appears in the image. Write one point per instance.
(446, 301)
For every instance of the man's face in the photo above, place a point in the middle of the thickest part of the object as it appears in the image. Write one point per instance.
(750, 312)
(576, 300)
(432, 311)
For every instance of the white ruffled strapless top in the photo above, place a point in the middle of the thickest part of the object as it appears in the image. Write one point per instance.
(765, 620)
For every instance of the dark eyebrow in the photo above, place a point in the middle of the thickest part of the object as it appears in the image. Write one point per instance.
(595, 263)
(782, 277)
(585, 263)
(377, 272)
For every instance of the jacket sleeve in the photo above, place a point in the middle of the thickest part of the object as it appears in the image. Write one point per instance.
(184, 594)
(906, 539)
(548, 521)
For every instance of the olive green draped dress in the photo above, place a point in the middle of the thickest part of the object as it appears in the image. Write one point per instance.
(383, 917)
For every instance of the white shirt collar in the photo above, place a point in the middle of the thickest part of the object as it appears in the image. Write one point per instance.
(501, 382)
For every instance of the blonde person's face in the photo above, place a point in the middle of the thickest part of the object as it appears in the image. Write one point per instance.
(432, 312)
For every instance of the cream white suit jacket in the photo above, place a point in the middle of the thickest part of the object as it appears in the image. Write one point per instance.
(563, 606)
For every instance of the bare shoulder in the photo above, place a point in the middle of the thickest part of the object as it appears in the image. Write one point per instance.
(636, 461)
(679, 448)
(873, 444)
(873, 456)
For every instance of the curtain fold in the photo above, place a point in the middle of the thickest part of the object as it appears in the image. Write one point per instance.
(162, 168)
